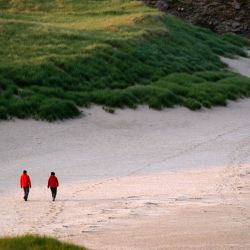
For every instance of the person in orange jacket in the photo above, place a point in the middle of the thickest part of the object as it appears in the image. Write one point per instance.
(53, 184)
(25, 183)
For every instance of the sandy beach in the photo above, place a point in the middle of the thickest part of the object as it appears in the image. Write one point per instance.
(138, 179)
(135, 180)
(201, 209)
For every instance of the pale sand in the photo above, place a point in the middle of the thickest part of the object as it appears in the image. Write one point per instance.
(134, 180)
(239, 64)
(203, 209)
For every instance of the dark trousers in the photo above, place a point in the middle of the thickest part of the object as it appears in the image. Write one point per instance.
(26, 193)
(53, 192)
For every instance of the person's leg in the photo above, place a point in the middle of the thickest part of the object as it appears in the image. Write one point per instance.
(26, 193)
(53, 192)
(28, 190)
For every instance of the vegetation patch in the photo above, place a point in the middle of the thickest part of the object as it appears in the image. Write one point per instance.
(31, 242)
(57, 56)
(108, 109)
(54, 109)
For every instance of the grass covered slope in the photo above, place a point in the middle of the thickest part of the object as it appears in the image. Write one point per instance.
(30, 242)
(59, 55)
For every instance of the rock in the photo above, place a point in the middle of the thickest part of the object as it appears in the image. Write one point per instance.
(219, 15)
(180, 9)
(162, 5)
(236, 5)
(235, 24)
(239, 18)
(245, 27)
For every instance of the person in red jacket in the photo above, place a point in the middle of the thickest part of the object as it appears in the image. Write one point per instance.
(25, 183)
(53, 184)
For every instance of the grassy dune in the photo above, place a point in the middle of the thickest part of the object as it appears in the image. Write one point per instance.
(30, 242)
(57, 56)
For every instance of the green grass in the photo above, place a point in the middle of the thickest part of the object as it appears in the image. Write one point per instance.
(30, 242)
(57, 56)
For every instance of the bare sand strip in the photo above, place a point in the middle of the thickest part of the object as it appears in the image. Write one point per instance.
(239, 64)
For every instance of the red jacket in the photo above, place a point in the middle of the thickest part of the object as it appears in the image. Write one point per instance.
(25, 181)
(53, 182)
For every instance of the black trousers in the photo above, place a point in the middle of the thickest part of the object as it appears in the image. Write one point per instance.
(53, 192)
(26, 193)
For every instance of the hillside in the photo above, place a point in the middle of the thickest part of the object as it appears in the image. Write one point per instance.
(57, 56)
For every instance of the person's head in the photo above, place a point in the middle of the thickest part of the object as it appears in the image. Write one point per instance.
(52, 173)
(24, 172)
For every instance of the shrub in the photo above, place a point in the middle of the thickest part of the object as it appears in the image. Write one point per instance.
(30, 242)
(5, 83)
(108, 110)
(218, 99)
(24, 107)
(155, 103)
(56, 109)
(206, 104)
(8, 93)
(214, 76)
(3, 113)
(80, 98)
(192, 104)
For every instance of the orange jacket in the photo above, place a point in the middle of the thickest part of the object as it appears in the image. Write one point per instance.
(53, 182)
(25, 181)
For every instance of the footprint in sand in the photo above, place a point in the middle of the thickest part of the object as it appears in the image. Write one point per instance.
(151, 203)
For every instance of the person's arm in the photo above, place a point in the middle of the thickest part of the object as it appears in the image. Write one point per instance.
(21, 182)
(49, 182)
(57, 182)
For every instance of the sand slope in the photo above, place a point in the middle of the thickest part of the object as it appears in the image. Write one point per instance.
(135, 180)
(130, 142)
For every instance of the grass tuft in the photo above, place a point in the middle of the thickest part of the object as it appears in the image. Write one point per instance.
(55, 109)
(192, 104)
(31, 242)
(108, 109)
(3, 113)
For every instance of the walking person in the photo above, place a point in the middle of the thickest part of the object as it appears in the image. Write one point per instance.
(25, 183)
(53, 184)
